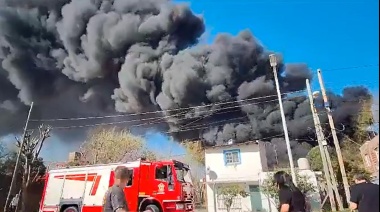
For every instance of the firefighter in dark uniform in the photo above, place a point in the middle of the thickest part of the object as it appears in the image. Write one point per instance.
(114, 200)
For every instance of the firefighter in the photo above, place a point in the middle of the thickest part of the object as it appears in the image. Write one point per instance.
(114, 199)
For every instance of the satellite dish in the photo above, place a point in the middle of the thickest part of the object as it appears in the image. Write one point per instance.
(230, 142)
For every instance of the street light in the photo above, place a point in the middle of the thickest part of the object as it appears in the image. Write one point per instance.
(273, 64)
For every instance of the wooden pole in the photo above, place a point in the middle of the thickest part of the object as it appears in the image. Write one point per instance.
(13, 181)
(335, 137)
(326, 170)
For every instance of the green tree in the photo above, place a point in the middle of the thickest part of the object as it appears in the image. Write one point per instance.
(270, 189)
(33, 167)
(195, 151)
(228, 193)
(109, 145)
(30, 170)
(363, 121)
(315, 159)
(195, 157)
(352, 160)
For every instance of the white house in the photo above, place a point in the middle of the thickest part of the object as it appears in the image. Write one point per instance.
(236, 164)
(244, 164)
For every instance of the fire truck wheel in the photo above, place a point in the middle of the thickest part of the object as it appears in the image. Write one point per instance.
(152, 208)
(71, 209)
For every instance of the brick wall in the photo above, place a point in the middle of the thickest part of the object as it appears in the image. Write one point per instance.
(370, 154)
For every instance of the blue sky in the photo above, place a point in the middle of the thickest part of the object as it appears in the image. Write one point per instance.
(327, 34)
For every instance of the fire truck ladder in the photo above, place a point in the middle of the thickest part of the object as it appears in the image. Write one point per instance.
(63, 186)
(84, 191)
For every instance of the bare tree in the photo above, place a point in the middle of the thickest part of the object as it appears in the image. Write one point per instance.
(32, 164)
(3, 154)
(109, 145)
(195, 157)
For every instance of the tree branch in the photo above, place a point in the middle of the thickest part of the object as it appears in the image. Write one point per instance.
(44, 134)
(37, 174)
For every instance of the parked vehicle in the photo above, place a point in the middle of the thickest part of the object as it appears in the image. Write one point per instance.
(159, 186)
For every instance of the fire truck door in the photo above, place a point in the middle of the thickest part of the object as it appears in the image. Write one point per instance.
(164, 180)
(131, 190)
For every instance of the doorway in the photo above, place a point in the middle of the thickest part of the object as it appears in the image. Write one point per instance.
(255, 196)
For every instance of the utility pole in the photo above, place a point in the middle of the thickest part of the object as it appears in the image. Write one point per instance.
(273, 63)
(325, 156)
(332, 175)
(335, 137)
(13, 181)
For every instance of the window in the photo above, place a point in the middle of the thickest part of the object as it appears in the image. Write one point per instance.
(130, 177)
(232, 157)
(162, 173)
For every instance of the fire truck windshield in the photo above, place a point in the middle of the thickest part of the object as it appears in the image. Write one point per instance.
(183, 174)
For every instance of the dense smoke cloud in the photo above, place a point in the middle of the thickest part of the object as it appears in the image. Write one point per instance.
(84, 58)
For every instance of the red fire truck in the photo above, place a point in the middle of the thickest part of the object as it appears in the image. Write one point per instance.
(159, 186)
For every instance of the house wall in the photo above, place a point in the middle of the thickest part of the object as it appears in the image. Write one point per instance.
(245, 173)
(247, 170)
(245, 203)
(370, 154)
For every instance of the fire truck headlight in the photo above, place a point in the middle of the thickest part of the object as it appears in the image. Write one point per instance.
(180, 206)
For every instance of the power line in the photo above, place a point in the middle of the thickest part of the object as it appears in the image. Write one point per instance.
(160, 119)
(171, 110)
(163, 111)
(352, 67)
(155, 120)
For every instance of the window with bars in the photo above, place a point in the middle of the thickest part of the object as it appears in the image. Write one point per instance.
(232, 157)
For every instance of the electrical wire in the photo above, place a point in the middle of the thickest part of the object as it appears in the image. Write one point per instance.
(163, 111)
(154, 120)
(351, 67)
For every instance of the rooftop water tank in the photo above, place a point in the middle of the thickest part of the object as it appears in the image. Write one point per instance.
(303, 164)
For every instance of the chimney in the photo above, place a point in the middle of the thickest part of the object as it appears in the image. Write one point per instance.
(74, 156)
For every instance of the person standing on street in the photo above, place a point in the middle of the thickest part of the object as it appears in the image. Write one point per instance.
(291, 198)
(364, 195)
(114, 199)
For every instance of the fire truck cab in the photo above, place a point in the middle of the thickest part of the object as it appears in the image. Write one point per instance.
(159, 186)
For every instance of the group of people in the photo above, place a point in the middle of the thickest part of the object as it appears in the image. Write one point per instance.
(364, 195)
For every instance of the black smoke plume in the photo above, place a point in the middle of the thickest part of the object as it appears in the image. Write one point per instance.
(83, 58)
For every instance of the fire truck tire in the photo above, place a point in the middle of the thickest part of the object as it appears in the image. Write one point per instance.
(152, 208)
(71, 209)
